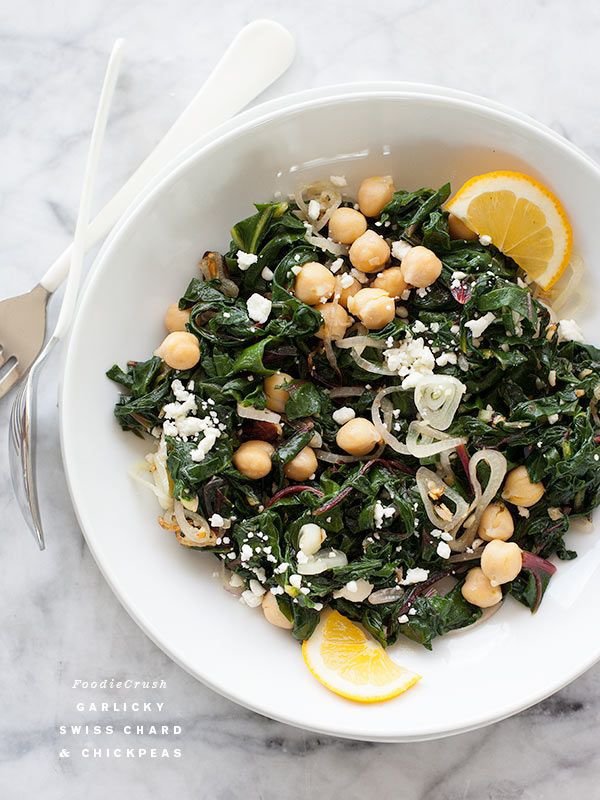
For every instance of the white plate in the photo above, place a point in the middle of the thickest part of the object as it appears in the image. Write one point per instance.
(471, 678)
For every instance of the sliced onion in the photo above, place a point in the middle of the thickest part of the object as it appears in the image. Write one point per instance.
(335, 458)
(498, 466)
(259, 414)
(390, 595)
(142, 468)
(213, 266)
(226, 578)
(328, 196)
(322, 561)
(368, 366)
(437, 398)
(196, 535)
(425, 479)
(446, 468)
(359, 343)
(330, 354)
(423, 441)
(326, 244)
(380, 425)
(346, 391)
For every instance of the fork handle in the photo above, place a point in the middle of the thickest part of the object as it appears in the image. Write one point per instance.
(259, 54)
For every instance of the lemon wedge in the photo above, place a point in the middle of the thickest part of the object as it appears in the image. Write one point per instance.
(521, 217)
(352, 664)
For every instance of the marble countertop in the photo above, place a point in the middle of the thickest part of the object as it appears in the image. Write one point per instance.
(60, 622)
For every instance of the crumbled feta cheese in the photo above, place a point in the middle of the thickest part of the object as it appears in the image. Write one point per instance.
(523, 512)
(552, 419)
(336, 265)
(235, 581)
(443, 550)
(446, 358)
(216, 521)
(381, 513)
(434, 327)
(267, 274)
(360, 276)
(338, 180)
(296, 270)
(478, 326)
(343, 415)
(205, 445)
(411, 360)
(403, 619)
(170, 428)
(552, 377)
(346, 280)
(259, 307)
(418, 326)
(245, 552)
(400, 249)
(314, 209)
(485, 240)
(569, 331)
(245, 260)
(295, 581)
(415, 575)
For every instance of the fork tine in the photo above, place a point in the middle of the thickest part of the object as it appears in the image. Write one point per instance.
(10, 378)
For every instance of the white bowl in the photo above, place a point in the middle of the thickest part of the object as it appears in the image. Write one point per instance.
(471, 678)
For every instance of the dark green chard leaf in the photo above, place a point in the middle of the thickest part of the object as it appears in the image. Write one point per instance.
(439, 614)
(528, 394)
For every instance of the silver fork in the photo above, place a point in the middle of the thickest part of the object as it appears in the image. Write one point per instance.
(259, 54)
(23, 414)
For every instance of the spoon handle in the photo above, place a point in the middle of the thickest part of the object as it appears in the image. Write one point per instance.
(259, 54)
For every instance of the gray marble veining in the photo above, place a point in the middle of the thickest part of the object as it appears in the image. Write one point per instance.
(60, 621)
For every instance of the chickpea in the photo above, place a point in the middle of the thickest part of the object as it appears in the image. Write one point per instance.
(501, 561)
(520, 490)
(496, 523)
(478, 590)
(421, 267)
(180, 350)
(314, 283)
(374, 307)
(273, 613)
(302, 466)
(370, 252)
(358, 437)
(176, 318)
(276, 396)
(374, 194)
(346, 225)
(458, 229)
(344, 289)
(335, 321)
(392, 281)
(253, 459)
